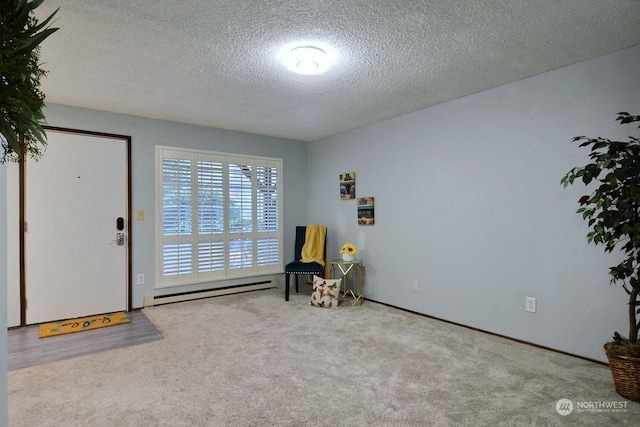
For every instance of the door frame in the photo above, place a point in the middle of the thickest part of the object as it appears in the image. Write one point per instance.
(22, 196)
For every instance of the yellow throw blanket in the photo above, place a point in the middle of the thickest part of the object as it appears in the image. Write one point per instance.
(313, 248)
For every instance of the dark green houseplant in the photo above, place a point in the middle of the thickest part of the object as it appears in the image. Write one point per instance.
(21, 100)
(613, 214)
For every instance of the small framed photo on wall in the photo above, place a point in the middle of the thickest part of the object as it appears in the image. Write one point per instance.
(348, 185)
(366, 214)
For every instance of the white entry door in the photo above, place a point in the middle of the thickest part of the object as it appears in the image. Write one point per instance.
(76, 263)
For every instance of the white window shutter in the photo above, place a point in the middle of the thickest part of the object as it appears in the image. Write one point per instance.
(221, 216)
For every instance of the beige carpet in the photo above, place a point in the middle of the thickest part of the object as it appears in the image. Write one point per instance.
(255, 360)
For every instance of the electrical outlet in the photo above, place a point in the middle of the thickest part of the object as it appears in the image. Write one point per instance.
(140, 279)
(414, 285)
(530, 304)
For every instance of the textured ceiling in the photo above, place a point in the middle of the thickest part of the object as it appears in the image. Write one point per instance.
(216, 62)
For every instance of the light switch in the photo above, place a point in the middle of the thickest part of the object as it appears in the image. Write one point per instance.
(140, 214)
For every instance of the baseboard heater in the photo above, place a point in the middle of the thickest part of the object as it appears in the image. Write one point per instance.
(151, 300)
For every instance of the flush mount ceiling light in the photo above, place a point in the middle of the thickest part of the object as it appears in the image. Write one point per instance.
(307, 60)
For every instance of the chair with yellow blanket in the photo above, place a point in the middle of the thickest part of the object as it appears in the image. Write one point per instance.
(310, 254)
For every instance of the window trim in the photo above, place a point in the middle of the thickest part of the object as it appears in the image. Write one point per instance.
(227, 273)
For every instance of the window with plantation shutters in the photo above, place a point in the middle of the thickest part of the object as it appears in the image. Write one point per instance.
(219, 216)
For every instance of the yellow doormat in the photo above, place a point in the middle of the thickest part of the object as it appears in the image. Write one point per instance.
(82, 324)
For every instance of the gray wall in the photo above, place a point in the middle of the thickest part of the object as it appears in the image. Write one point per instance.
(468, 202)
(146, 134)
(3, 302)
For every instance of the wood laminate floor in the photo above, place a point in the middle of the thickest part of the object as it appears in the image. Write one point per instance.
(26, 349)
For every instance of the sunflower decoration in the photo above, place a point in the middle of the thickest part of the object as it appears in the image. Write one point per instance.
(348, 249)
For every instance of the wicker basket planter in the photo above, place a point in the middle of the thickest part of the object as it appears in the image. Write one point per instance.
(626, 375)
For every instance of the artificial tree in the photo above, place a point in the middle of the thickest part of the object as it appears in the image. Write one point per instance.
(613, 214)
(21, 100)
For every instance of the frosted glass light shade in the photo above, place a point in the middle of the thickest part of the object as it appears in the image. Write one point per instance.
(307, 60)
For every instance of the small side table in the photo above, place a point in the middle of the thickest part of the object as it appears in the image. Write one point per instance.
(355, 267)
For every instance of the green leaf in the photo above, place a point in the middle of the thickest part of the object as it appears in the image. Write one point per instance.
(34, 41)
(20, 96)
